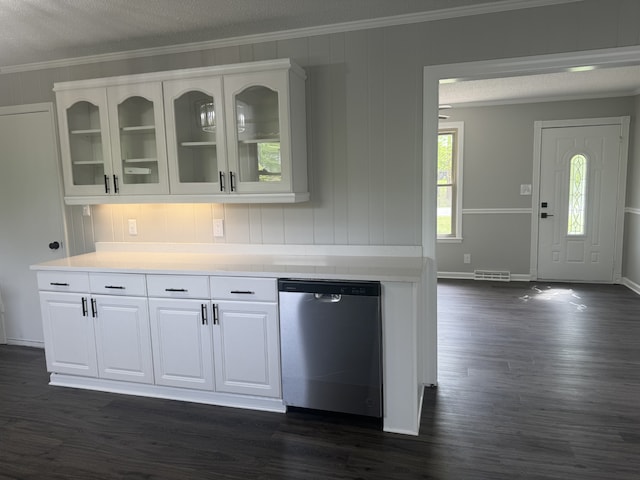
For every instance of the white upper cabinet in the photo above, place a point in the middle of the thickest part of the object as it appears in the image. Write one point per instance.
(195, 135)
(137, 136)
(84, 141)
(234, 133)
(262, 124)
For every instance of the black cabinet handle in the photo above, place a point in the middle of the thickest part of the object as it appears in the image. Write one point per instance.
(222, 187)
(55, 245)
(216, 321)
(106, 184)
(116, 188)
(545, 215)
(175, 290)
(115, 287)
(243, 292)
(84, 307)
(203, 310)
(58, 284)
(232, 177)
(94, 308)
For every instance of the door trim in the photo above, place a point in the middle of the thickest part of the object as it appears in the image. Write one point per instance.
(623, 122)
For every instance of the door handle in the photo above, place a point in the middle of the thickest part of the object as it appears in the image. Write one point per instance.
(94, 308)
(106, 184)
(222, 187)
(216, 320)
(85, 311)
(54, 245)
(203, 310)
(545, 215)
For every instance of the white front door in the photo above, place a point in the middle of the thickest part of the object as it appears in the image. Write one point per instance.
(30, 214)
(579, 202)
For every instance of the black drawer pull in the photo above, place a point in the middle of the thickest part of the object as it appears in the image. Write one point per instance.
(242, 292)
(115, 287)
(175, 289)
(58, 284)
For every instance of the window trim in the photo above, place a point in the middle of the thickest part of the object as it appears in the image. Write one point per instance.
(457, 181)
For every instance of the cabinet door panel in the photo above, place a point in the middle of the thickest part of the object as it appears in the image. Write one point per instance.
(138, 138)
(84, 141)
(68, 334)
(181, 339)
(123, 339)
(195, 135)
(247, 348)
(257, 111)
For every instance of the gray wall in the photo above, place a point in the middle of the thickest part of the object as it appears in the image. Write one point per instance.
(364, 102)
(498, 158)
(631, 266)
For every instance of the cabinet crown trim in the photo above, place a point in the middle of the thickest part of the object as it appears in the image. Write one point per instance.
(246, 67)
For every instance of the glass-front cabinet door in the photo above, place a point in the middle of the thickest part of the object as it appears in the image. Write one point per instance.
(196, 135)
(137, 139)
(84, 141)
(257, 106)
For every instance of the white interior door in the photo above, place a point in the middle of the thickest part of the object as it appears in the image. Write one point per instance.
(30, 214)
(579, 202)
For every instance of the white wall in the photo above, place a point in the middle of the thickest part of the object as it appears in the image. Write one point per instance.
(498, 150)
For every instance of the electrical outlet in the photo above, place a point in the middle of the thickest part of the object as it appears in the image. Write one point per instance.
(86, 211)
(218, 227)
(467, 258)
(525, 189)
(133, 227)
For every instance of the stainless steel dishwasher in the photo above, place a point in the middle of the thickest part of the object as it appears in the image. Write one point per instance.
(331, 335)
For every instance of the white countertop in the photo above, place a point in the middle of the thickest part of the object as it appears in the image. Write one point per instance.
(382, 268)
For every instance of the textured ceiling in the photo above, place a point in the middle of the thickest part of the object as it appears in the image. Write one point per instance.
(42, 30)
(564, 85)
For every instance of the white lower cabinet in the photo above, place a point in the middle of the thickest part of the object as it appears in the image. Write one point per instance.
(247, 348)
(162, 335)
(181, 338)
(68, 334)
(105, 336)
(123, 342)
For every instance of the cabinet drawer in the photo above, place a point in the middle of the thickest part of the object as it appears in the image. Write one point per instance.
(178, 286)
(63, 281)
(244, 288)
(118, 284)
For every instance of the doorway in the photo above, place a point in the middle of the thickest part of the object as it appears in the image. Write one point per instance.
(579, 215)
(31, 214)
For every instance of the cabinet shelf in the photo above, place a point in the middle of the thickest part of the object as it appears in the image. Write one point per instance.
(139, 129)
(89, 162)
(197, 144)
(91, 131)
(139, 160)
(261, 140)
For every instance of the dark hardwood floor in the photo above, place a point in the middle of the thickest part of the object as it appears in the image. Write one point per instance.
(536, 381)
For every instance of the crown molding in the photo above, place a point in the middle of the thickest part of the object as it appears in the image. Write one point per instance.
(406, 19)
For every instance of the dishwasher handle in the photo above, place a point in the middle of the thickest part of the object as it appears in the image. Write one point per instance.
(327, 297)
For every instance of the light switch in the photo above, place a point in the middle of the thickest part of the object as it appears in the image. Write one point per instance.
(133, 227)
(525, 189)
(218, 227)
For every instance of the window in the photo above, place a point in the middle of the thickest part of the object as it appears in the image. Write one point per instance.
(577, 194)
(449, 188)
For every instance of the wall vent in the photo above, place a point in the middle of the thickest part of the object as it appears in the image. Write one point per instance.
(494, 275)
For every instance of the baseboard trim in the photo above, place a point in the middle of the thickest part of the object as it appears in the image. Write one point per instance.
(631, 285)
(169, 393)
(25, 343)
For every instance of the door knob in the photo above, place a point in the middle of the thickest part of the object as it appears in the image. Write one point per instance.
(54, 245)
(545, 215)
